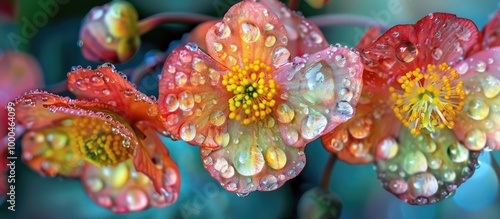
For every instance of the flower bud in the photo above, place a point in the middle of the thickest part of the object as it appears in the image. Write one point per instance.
(110, 33)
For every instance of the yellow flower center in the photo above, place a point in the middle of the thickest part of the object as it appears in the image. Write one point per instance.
(253, 89)
(428, 98)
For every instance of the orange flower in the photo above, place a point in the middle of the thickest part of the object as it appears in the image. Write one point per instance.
(429, 105)
(250, 109)
(108, 137)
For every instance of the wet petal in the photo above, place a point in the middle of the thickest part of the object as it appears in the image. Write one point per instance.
(478, 124)
(193, 102)
(304, 37)
(436, 38)
(369, 135)
(198, 34)
(106, 85)
(248, 30)
(153, 160)
(427, 167)
(317, 93)
(49, 151)
(122, 189)
(370, 35)
(254, 157)
(491, 32)
(99, 136)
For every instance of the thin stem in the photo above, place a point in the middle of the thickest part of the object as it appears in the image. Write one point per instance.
(149, 23)
(293, 4)
(146, 68)
(327, 172)
(347, 19)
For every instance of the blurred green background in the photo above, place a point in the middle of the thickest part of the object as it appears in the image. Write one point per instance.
(54, 45)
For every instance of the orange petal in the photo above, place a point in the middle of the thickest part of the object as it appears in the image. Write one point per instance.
(427, 167)
(370, 134)
(122, 189)
(49, 151)
(105, 85)
(304, 37)
(198, 34)
(317, 93)
(96, 129)
(254, 158)
(478, 124)
(153, 160)
(248, 30)
(193, 102)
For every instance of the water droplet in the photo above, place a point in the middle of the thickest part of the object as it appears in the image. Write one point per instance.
(437, 53)
(81, 85)
(152, 111)
(249, 161)
(199, 65)
(360, 128)
(208, 161)
(406, 51)
(171, 69)
(435, 163)
(217, 46)
(491, 86)
(291, 136)
(270, 40)
(387, 149)
(104, 201)
(388, 63)
(345, 94)
(477, 109)
(171, 102)
(94, 184)
(242, 195)
(249, 32)
(97, 81)
(187, 132)
(79, 43)
(475, 140)
(480, 66)
(422, 184)
(268, 26)
(275, 157)
(186, 101)
(398, 186)
(192, 46)
(280, 56)
(463, 34)
(449, 175)
(231, 186)
(344, 108)
(340, 60)
(269, 183)
(217, 118)
(414, 162)
(106, 92)
(285, 113)
(316, 37)
(136, 200)
(458, 153)
(462, 68)
(118, 176)
(224, 31)
(313, 125)
(184, 56)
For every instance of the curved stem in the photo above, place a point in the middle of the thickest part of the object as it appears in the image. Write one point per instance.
(293, 4)
(146, 68)
(327, 172)
(347, 19)
(149, 23)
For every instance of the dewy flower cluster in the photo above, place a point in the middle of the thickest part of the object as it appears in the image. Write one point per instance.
(254, 88)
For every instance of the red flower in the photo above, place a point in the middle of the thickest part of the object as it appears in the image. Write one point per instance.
(426, 108)
(249, 108)
(108, 137)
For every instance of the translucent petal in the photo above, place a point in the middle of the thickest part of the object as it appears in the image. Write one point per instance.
(435, 39)
(122, 189)
(193, 102)
(304, 37)
(248, 30)
(317, 93)
(254, 157)
(370, 134)
(427, 167)
(491, 32)
(478, 124)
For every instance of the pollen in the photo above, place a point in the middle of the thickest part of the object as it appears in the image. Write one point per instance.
(95, 141)
(428, 98)
(253, 89)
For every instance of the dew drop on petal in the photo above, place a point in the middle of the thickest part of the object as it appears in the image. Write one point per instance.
(217, 118)
(437, 53)
(268, 26)
(398, 186)
(136, 200)
(344, 108)
(360, 128)
(414, 162)
(285, 113)
(280, 56)
(217, 46)
(231, 186)
(458, 153)
(169, 177)
(291, 136)
(477, 109)
(94, 184)
(249, 32)
(387, 148)
(249, 161)
(186, 101)
(316, 38)
(270, 40)
(269, 183)
(171, 102)
(313, 125)
(491, 86)
(187, 132)
(224, 31)
(475, 140)
(449, 175)
(480, 66)
(275, 157)
(406, 51)
(422, 185)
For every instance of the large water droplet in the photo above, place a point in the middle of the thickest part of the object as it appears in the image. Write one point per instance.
(270, 40)
(275, 157)
(491, 86)
(414, 162)
(313, 125)
(188, 132)
(475, 140)
(280, 56)
(422, 184)
(217, 46)
(360, 128)
(171, 102)
(136, 200)
(249, 161)
(217, 118)
(406, 51)
(285, 113)
(387, 149)
(316, 37)
(186, 101)
(477, 109)
(249, 32)
(344, 108)
(458, 153)
(223, 31)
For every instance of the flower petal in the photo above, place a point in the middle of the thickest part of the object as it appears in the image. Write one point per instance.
(255, 158)
(105, 85)
(153, 160)
(427, 167)
(49, 151)
(122, 189)
(478, 124)
(193, 101)
(491, 32)
(435, 39)
(198, 34)
(97, 133)
(369, 134)
(317, 93)
(248, 30)
(370, 35)
(304, 37)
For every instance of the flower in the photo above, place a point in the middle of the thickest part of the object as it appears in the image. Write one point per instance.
(250, 109)
(107, 136)
(110, 33)
(427, 109)
(304, 37)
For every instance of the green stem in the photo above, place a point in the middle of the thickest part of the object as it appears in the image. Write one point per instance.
(327, 172)
(347, 19)
(149, 23)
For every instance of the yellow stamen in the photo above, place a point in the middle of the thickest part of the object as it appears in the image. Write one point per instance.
(253, 89)
(428, 98)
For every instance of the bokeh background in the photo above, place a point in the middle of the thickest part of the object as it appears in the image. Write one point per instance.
(54, 45)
